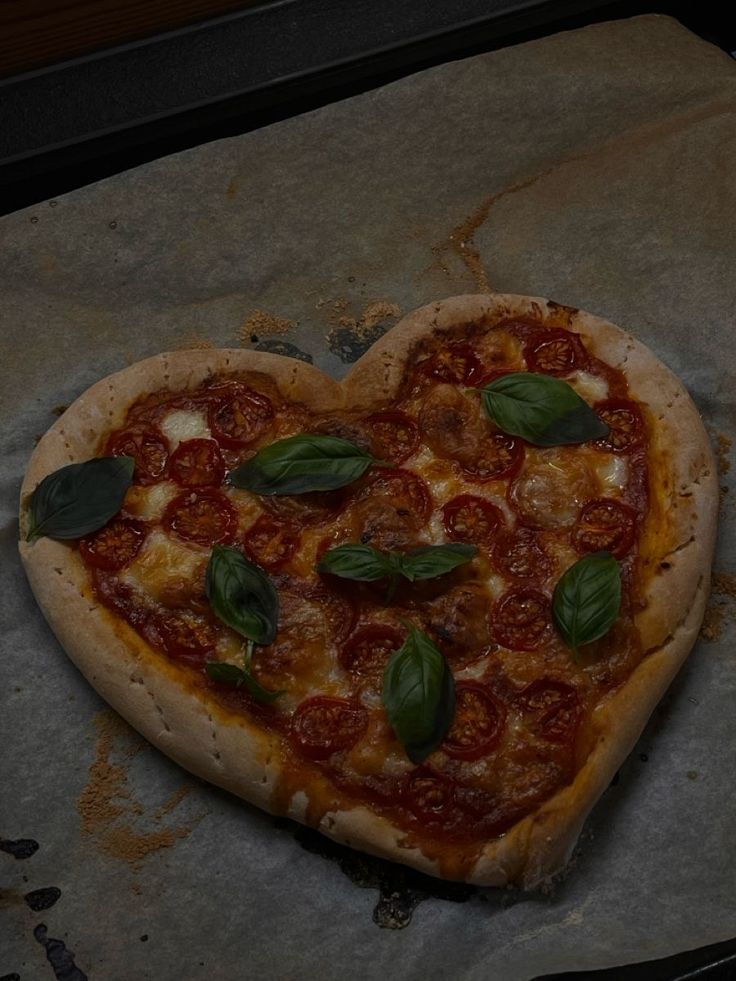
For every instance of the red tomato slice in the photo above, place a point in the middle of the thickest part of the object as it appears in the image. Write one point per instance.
(500, 457)
(605, 524)
(626, 423)
(206, 517)
(394, 436)
(521, 556)
(427, 795)
(149, 449)
(271, 543)
(555, 352)
(457, 364)
(521, 619)
(402, 490)
(472, 519)
(478, 723)
(197, 463)
(184, 636)
(324, 725)
(113, 546)
(240, 418)
(366, 652)
(553, 708)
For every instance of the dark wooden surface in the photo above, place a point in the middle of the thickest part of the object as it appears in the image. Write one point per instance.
(34, 33)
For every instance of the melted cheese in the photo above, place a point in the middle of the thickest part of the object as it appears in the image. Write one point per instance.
(149, 503)
(612, 473)
(592, 388)
(164, 567)
(183, 424)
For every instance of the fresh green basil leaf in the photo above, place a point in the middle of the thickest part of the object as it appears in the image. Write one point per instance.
(242, 595)
(587, 599)
(435, 560)
(543, 410)
(419, 695)
(359, 562)
(80, 498)
(230, 674)
(301, 464)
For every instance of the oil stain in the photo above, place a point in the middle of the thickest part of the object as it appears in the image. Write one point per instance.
(400, 889)
(22, 848)
(59, 957)
(349, 339)
(41, 899)
(273, 346)
(10, 977)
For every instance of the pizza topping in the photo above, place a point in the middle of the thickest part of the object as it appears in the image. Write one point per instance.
(399, 490)
(300, 464)
(456, 363)
(242, 595)
(184, 635)
(451, 424)
(322, 726)
(521, 556)
(79, 498)
(240, 418)
(544, 411)
(625, 423)
(184, 424)
(197, 463)
(555, 352)
(587, 600)
(367, 650)
(148, 448)
(419, 695)
(205, 517)
(498, 457)
(459, 620)
(428, 795)
(478, 723)
(271, 543)
(521, 619)
(552, 488)
(394, 436)
(605, 525)
(469, 518)
(552, 709)
(114, 546)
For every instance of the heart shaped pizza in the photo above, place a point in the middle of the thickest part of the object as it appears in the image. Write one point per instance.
(426, 610)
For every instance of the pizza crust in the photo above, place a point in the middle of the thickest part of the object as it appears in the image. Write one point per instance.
(157, 697)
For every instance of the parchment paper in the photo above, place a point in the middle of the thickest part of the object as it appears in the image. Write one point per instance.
(594, 167)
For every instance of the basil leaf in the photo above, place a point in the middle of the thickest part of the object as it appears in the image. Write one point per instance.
(230, 674)
(435, 560)
(587, 599)
(543, 410)
(419, 695)
(242, 595)
(359, 562)
(301, 464)
(80, 498)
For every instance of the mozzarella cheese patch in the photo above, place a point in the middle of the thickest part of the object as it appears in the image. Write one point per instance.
(183, 424)
(164, 567)
(149, 503)
(612, 473)
(592, 388)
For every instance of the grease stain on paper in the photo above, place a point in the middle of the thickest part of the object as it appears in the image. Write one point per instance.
(112, 817)
(41, 899)
(400, 889)
(350, 337)
(59, 956)
(274, 346)
(20, 848)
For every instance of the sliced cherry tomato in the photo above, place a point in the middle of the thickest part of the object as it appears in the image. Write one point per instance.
(605, 524)
(554, 707)
(555, 352)
(428, 795)
(626, 424)
(394, 435)
(184, 636)
(473, 519)
(457, 363)
(368, 649)
(401, 489)
(206, 517)
(149, 449)
(521, 556)
(499, 457)
(478, 723)
(324, 725)
(113, 546)
(197, 463)
(271, 543)
(521, 619)
(240, 418)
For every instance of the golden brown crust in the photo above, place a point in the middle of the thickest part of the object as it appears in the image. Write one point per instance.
(188, 725)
